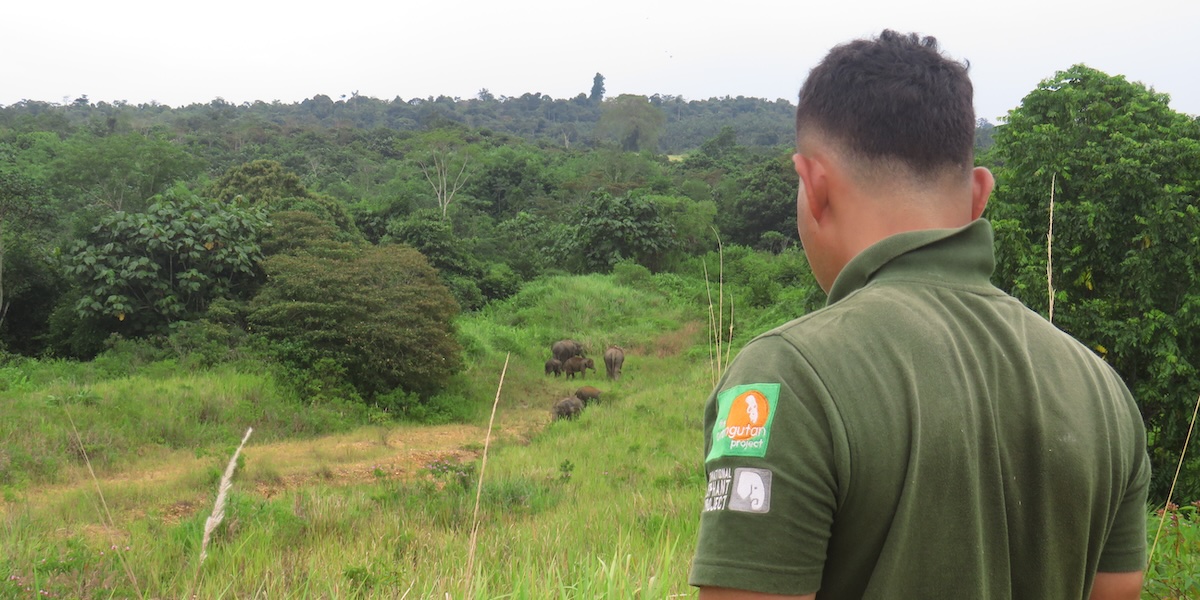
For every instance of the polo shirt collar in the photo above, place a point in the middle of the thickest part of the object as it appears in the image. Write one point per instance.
(960, 256)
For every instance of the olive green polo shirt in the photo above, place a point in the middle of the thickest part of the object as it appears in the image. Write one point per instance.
(924, 435)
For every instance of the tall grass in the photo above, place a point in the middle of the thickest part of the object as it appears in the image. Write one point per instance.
(605, 506)
(128, 418)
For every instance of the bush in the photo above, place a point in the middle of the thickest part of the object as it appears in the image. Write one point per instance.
(380, 314)
(630, 273)
(499, 282)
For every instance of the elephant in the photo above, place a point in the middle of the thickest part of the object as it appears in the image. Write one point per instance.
(614, 357)
(567, 408)
(554, 366)
(578, 364)
(563, 350)
(750, 490)
(588, 394)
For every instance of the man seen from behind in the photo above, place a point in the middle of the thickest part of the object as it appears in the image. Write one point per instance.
(924, 435)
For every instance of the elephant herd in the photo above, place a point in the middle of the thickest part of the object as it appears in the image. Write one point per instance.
(568, 358)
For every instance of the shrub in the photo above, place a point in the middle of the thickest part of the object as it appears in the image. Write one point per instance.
(380, 313)
(499, 282)
(629, 273)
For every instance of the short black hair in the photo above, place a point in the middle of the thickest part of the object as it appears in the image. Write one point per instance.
(894, 98)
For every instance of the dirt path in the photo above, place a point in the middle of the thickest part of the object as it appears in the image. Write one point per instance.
(397, 453)
(365, 455)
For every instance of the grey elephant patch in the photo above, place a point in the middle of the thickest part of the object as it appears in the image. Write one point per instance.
(751, 490)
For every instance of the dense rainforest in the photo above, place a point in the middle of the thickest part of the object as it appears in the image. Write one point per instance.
(339, 239)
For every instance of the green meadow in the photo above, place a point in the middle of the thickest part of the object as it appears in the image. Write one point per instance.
(110, 469)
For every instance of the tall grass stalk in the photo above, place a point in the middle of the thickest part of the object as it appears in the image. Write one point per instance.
(716, 324)
(487, 442)
(218, 513)
(713, 339)
(1171, 492)
(1050, 249)
(107, 517)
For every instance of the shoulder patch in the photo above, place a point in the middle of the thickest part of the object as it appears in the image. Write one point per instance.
(740, 489)
(744, 417)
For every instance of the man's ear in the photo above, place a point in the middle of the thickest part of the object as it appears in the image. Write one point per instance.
(982, 183)
(814, 184)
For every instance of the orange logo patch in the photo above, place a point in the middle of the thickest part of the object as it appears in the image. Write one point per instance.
(747, 415)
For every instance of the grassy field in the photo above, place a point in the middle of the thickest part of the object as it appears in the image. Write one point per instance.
(332, 502)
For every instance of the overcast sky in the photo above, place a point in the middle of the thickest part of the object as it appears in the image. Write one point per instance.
(177, 53)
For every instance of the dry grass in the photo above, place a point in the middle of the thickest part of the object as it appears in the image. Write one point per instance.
(716, 318)
(218, 513)
(1050, 250)
(106, 517)
(487, 442)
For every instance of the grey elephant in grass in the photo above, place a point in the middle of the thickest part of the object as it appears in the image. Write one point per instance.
(588, 394)
(578, 364)
(614, 357)
(563, 350)
(554, 366)
(567, 408)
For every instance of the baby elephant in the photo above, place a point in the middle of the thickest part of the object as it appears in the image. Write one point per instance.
(567, 408)
(554, 366)
(578, 364)
(588, 394)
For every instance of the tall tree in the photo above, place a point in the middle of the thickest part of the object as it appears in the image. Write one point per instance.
(1124, 171)
(445, 160)
(597, 95)
(632, 122)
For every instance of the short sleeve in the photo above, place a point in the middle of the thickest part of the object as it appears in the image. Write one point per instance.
(1125, 549)
(771, 460)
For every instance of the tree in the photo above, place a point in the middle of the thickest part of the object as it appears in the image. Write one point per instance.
(446, 252)
(633, 122)
(597, 95)
(120, 172)
(612, 228)
(268, 185)
(984, 135)
(692, 223)
(23, 211)
(533, 244)
(510, 179)
(1124, 170)
(261, 182)
(765, 202)
(19, 199)
(147, 270)
(379, 314)
(443, 157)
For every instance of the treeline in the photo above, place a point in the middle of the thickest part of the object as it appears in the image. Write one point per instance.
(338, 239)
(664, 123)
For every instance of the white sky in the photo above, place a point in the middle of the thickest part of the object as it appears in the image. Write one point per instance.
(178, 53)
